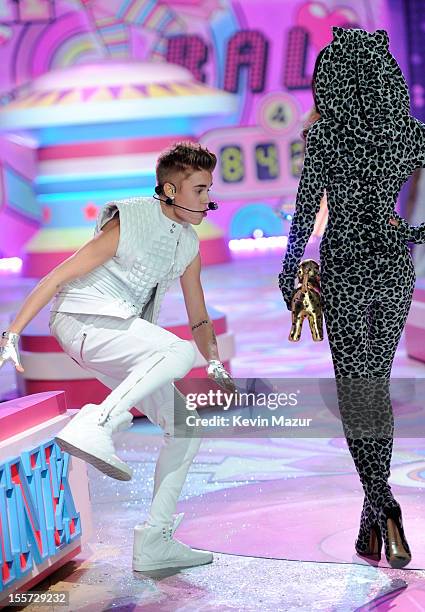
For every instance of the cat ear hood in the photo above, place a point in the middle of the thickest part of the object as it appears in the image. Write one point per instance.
(358, 79)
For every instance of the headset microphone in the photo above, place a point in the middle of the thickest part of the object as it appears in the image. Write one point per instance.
(170, 201)
(158, 191)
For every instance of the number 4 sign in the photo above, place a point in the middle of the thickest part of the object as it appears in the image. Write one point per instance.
(278, 112)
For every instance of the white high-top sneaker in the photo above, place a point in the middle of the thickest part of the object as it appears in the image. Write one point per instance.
(155, 548)
(83, 437)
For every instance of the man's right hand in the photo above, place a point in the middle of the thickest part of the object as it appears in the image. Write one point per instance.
(9, 350)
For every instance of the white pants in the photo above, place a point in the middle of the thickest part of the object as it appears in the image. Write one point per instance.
(138, 361)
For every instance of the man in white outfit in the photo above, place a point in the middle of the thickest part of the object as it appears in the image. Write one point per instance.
(107, 300)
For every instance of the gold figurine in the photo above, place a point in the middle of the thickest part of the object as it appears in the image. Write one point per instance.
(306, 301)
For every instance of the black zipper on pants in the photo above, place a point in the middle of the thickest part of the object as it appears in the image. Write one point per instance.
(82, 346)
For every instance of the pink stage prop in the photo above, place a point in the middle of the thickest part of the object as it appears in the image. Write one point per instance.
(45, 508)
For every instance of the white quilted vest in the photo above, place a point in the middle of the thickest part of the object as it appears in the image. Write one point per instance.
(153, 250)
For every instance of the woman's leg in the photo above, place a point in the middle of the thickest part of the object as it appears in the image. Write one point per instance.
(385, 324)
(393, 295)
(346, 294)
(365, 320)
(387, 318)
(346, 306)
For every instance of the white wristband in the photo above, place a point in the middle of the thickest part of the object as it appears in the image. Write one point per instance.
(8, 335)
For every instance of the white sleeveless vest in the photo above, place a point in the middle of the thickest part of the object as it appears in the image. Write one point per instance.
(153, 250)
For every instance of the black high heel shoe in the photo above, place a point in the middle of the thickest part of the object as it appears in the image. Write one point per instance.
(369, 541)
(397, 549)
(371, 544)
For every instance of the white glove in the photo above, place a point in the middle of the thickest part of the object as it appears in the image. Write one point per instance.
(217, 372)
(9, 350)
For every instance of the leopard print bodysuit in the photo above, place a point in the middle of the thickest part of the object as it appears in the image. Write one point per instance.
(363, 148)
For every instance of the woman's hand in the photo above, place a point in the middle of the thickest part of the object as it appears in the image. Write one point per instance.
(410, 233)
(286, 286)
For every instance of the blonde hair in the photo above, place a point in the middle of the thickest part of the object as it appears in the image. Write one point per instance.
(313, 116)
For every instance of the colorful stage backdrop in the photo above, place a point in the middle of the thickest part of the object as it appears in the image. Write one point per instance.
(89, 131)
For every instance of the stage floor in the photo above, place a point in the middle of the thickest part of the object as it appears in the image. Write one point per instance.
(281, 514)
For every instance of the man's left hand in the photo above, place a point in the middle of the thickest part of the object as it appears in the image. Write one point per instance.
(217, 372)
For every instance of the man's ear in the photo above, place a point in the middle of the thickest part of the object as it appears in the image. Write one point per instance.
(169, 190)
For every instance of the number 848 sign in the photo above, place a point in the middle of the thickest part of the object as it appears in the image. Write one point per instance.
(252, 164)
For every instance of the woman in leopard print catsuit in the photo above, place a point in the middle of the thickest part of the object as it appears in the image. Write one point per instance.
(362, 149)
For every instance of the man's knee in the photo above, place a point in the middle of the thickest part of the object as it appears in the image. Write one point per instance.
(186, 354)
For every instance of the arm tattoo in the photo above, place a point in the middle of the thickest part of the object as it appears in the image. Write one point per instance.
(199, 324)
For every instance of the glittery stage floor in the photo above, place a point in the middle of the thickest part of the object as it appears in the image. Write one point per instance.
(295, 501)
